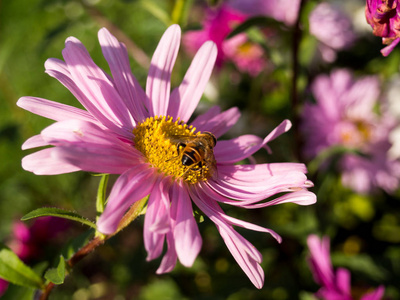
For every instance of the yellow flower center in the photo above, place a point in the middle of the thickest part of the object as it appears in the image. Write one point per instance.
(164, 143)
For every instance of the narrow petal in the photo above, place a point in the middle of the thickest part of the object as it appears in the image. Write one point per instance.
(88, 147)
(159, 79)
(128, 87)
(169, 260)
(59, 70)
(375, 295)
(96, 86)
(237, 149)
(185, 98)
(34, 142)
(221, 123)
(44, 163)
(133, 185)
(186, 232)
(157, 219)
(202, 119)
(53, 110)
(244, 252)
(242, 147)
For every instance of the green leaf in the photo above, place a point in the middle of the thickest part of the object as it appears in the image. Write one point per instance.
(56, 275)
(101, 194)
(15, 271)
(57, 212)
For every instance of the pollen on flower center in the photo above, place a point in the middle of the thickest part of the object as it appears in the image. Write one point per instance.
(163, 142)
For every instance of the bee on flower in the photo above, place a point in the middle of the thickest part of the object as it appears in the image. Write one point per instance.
(149, 138)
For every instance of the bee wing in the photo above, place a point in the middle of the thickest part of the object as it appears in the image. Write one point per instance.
(184, 139)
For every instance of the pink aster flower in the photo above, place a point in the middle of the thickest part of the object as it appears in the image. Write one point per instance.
(334, 285)
(285, 11)
(126, 130)
(384, 18)
(332, 28)
(345, 115)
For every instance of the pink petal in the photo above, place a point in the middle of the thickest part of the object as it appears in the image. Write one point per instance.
(388, 49)
(244, 252)
(220, 123)
(88, 147)
(53, 110)
(237, 149)
(159, 79)
(33, 142)
(343, 281)
(59, 70)
(242, 147)
(260, 190)
(128, 87)
(157, 218)
(375, 295)
(301, 197)
(185, 98)
(200, 120)
(320, 260)
(169, 260)
(186, 232)
(44, 163)
(95, 85)
(133, 185)
(251, 267)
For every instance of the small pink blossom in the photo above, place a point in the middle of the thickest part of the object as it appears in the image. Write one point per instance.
(345, 115)
(334, 285)
(332, 28)
(106, 138)
(384, 18)
(246, 55)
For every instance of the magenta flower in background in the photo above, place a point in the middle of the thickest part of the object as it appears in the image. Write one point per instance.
(383, 16)
(249, 57)
(345, 115)
(334, 285)
(27, 241)
(332, 28)
(217, 25)
(285, 11)
(126, 130)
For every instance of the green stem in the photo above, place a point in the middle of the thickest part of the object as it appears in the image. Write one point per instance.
(135, 211)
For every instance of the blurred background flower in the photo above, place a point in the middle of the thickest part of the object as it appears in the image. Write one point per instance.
(348, 113)
(333, 29)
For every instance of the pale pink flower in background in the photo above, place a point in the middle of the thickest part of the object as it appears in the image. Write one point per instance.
(285, 11)
(124, 130)
(332, 28)
(247, 56)
(345, 115)
(334, 285)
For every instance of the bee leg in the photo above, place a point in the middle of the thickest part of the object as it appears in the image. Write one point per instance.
(178, 146)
